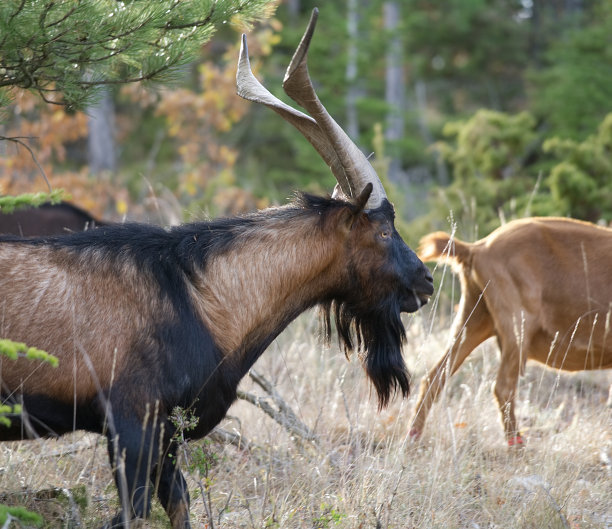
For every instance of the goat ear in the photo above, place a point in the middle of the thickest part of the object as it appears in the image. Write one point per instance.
(363, 197)
(350, 214)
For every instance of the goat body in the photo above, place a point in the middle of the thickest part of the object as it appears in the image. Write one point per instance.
(144, 319)
(542, 287)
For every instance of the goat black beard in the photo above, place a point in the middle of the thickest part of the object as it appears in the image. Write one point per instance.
(377, 336)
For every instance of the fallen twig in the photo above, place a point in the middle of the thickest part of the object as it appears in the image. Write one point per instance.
(222, 436)
(282, 413)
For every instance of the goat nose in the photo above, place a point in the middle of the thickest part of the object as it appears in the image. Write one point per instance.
(427, 281)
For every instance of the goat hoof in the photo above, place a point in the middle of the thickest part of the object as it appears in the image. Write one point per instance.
(516, 441)
(414, 434)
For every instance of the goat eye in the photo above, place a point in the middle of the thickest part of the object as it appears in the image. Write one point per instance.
(385, 234)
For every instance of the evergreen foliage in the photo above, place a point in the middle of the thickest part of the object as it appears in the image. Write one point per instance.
(486, 153)
(488, 145)
(473, 50)
(581, 180)
(15, 350)
(498, 78)
(572, 89)
(25, 517)
(71, 47)
(493, 184)
(540, 69)
(8, 204)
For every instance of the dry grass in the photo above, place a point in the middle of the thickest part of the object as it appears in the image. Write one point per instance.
(362, 473)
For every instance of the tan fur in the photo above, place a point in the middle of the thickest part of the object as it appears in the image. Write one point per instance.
(74, 294)
(441, 245)
(543, 287)
(240, 304)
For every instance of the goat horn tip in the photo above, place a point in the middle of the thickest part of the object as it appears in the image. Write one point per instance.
(302, 49)
(243, 70)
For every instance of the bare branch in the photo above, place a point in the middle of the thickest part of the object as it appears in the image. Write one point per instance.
(196, 24)
(223, 436)
(144, 77)
(60, 20)
(282, 414)
(19, 141)
(19, 10)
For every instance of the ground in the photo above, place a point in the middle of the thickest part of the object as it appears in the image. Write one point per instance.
(361, 471)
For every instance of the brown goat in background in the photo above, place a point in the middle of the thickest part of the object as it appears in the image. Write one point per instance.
(47, 219)
(543, 287)
(145, 319)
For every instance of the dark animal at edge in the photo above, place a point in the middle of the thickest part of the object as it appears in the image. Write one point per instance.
(47, 219)
(145, 319)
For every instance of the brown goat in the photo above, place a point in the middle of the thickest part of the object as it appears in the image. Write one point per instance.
(144, 320)
(47, 219)
(543, 287)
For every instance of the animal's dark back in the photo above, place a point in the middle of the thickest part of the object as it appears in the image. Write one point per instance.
(124, 288)
(48, 219)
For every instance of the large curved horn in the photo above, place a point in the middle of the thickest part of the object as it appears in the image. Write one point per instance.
(249, 88)
(356, 168)
(348, 164)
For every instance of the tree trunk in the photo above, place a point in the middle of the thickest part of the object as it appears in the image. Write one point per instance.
(101, 152)
(395, 85)
(293, 10)
(352, 94)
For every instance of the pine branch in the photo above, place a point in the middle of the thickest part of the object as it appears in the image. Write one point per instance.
(8, 204)
(51, 45)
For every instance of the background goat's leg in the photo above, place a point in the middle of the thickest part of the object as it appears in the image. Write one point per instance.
(505, 391)
(472, 326)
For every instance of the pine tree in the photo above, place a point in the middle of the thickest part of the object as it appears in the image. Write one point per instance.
(67, 51)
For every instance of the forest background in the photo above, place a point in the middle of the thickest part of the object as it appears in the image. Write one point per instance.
(476, 111)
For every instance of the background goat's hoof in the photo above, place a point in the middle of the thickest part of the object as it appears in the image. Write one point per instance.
(516, 442)
(414, 435)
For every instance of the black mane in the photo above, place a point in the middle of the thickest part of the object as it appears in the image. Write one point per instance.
(187, 244)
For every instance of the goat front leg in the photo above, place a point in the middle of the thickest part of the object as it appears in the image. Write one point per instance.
(132, 450)
(172, 491)
(471, 327)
